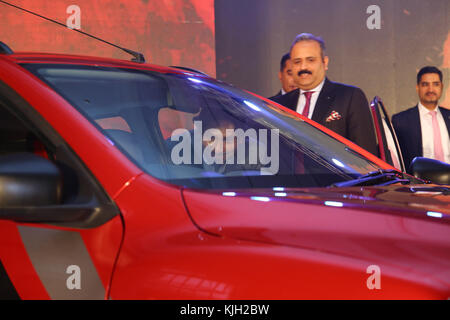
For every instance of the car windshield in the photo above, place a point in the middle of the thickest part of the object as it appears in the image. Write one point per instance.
(197, 132)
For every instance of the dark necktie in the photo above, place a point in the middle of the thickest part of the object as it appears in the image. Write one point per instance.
(308, 95)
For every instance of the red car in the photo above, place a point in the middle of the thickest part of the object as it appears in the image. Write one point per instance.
(125, 180)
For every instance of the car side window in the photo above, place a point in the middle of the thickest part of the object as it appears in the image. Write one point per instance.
(16, 137)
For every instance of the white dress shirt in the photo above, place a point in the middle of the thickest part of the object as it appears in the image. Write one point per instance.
(427, 133)
(312, 104)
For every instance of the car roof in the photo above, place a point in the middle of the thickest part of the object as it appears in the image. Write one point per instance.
(54, 58)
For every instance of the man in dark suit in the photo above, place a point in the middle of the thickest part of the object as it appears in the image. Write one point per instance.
(285, 76)
(339, 107)
(423, 130)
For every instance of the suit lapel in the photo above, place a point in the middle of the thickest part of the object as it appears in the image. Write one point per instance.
(324, 101)
(293, 99)
(416, 131)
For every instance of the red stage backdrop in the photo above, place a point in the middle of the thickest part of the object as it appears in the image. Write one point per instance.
(175, 32)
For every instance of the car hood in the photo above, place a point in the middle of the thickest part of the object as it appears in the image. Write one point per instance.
(223, 211)
(395, 225)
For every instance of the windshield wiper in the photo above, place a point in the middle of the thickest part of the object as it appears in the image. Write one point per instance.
(375, 178)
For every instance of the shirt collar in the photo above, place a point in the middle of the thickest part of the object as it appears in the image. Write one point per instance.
(316, 89)
(423, 110)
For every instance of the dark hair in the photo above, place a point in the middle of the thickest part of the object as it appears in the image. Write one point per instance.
(428, 69)
(284, 58)
(310, 37)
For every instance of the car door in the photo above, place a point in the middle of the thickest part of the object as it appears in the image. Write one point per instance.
(63, 249)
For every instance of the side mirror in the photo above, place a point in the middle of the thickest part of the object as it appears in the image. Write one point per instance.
(27, 180)
(429, 169)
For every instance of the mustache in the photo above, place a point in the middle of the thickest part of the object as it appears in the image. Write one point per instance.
(304, 71)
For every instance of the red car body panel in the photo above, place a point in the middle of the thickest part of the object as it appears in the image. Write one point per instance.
(102, 243)
(365, 228)
(320, 255)
(18, 264)
(175, 243)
